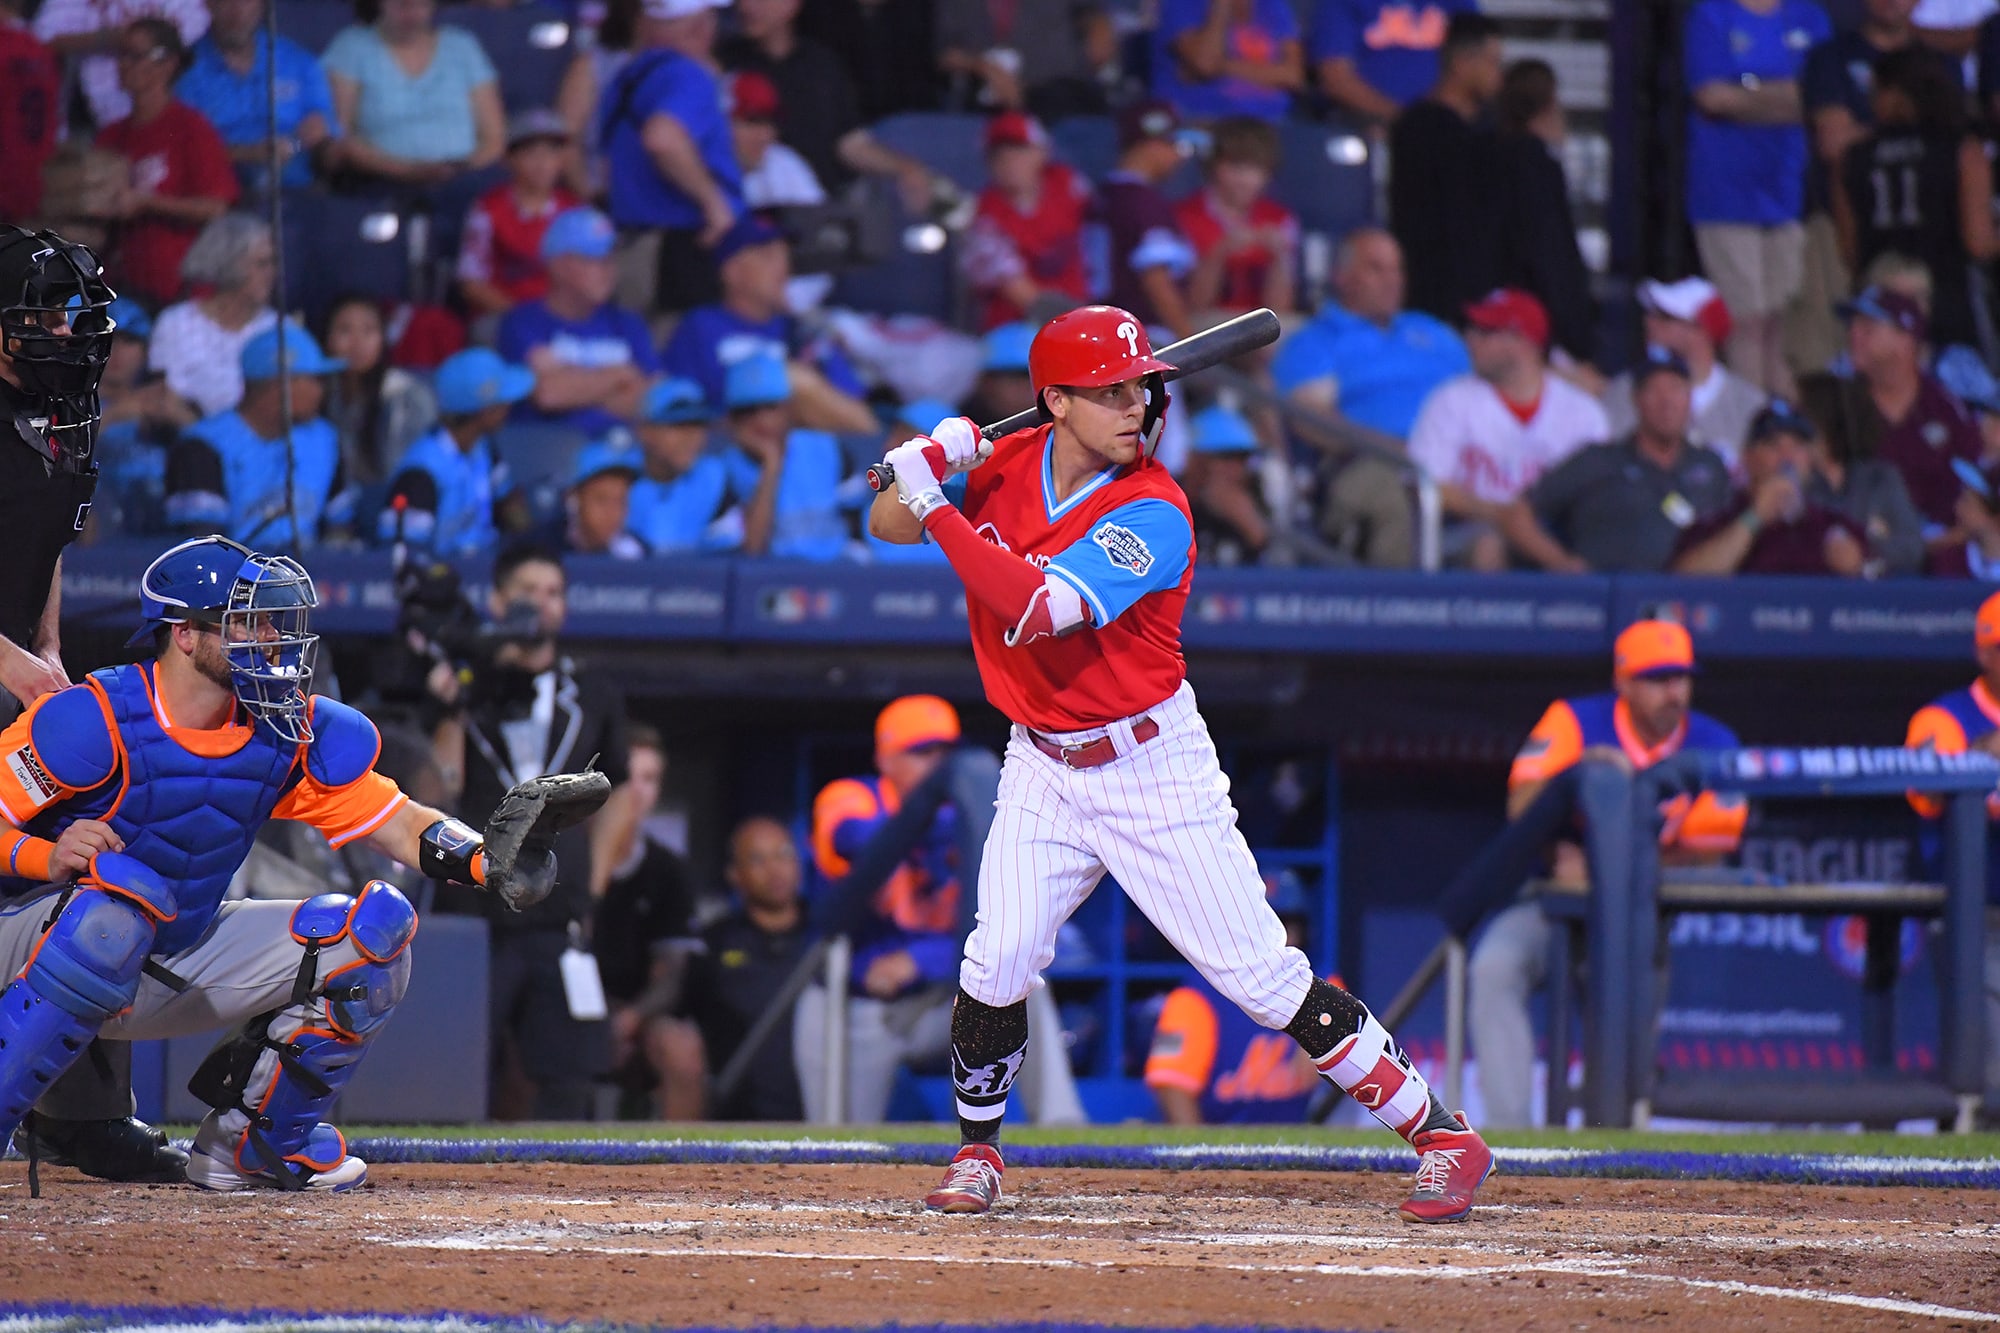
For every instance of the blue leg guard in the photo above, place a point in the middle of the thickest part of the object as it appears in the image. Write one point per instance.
(274, 1082)
(84, 973)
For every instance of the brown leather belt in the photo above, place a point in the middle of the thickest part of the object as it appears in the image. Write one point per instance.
(1093, 753)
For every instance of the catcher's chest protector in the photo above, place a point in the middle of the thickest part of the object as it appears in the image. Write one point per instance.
(191, 818)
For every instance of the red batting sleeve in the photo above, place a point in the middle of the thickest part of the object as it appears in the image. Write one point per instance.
(1003, 582)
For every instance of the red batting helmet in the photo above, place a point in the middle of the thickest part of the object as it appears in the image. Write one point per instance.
(1090, 347)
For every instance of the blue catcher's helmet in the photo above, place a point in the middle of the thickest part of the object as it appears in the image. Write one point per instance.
(261, 605)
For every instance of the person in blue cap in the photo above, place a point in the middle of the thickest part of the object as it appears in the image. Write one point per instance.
(1232, 526)
(593, 360)
(1004, 387)
(683, 488)
(446, 496)
(140, 417)
(597, 509)
(753, 264)
(784, 478)
(236, 474)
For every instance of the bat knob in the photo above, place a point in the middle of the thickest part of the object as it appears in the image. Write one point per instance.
(881, 476)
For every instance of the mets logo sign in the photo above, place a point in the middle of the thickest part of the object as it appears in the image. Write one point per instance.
(1125, 548)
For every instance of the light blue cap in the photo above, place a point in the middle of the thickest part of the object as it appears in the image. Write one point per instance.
(302, 355)
(756, 381)
(1222, 430)
(613, 453)
(479, 378)
(925, 413)
(674, 401)
(1006, 348)
(579, 231)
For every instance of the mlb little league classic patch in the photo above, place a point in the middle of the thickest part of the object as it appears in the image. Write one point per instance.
(1125, 548)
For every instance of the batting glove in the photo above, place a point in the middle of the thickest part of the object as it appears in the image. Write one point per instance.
(964, 447)
(920, 471)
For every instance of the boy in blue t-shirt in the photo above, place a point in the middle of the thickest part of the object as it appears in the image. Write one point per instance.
(785, 480)
(592, 360)
(1375, 57)
(1747, 165)
(443, 498)
(683, 488)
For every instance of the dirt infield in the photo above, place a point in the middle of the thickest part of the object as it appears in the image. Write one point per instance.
(847, 1245)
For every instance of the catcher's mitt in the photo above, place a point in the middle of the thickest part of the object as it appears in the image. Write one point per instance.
(521, 835)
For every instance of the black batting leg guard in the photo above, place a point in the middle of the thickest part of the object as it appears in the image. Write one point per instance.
(988, 1048)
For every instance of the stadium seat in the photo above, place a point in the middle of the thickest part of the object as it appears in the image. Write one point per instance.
(336, 244)
(1324, 177)
(1088, 143)
(539, 459)
(313, 24)
(948, 143)
(529, 46)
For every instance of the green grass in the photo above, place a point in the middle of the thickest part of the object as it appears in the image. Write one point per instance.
(1950, 1146)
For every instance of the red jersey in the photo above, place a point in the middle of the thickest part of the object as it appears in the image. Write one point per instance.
(1045, 246)
(1244, 272)
(179, 156)
(1125, 542)
(30, 111)
(502, 243)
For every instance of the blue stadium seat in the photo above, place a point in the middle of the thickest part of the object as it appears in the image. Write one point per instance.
(313, 24)
(948, 143)
(903, 284)
(1088, 143)
(529, 46)
(539, 459)
(1324, 177)
(338, 243)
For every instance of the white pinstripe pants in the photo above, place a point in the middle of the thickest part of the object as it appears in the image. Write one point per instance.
(1159, 819)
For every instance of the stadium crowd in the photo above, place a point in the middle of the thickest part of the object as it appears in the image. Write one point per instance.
(644, 311)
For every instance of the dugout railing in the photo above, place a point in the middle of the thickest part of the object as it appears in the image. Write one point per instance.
(1617, 927)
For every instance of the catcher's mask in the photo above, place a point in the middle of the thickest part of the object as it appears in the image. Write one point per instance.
(55, 316)
(261, 605)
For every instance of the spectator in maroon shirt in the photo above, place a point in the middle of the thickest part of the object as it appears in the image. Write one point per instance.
(181, 174)
(1918, 426)
(1150, 258)
(1770, 527)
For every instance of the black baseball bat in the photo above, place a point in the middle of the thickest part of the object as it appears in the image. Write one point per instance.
(1225, 342)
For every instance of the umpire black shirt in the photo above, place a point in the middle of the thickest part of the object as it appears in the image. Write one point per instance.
(42, 507)
(587, 719)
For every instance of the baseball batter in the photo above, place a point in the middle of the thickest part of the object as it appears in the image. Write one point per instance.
(1077, 551)
(128, 802)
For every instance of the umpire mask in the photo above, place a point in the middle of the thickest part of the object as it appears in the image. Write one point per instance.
(56, 321)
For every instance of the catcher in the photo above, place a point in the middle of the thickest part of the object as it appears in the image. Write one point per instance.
(130, 799)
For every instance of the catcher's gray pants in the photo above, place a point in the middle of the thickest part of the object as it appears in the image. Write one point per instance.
(242, 966)
(884, 1034)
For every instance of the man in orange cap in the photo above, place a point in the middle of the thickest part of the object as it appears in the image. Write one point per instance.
(1646, 718)
(1969, 719)
(909, 935)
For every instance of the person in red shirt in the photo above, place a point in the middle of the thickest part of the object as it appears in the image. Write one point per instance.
(30, 111)
(181, 175)
(500, 257)
(1026, 241)
(1246, 244)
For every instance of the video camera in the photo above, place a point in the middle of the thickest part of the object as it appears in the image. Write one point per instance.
(437, 622)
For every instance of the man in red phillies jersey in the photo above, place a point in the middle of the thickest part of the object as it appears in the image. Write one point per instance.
(1077, 551)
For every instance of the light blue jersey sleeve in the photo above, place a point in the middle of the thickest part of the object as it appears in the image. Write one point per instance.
(1135, 549)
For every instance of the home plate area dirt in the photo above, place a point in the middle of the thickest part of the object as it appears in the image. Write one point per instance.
(676, 1246)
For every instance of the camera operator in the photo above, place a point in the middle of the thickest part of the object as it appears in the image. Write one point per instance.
(524, 710)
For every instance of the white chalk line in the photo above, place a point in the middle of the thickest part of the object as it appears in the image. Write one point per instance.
(1447, 1271)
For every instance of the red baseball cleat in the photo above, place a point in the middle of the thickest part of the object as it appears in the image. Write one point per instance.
(1453, 1164)
(972, 1185)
